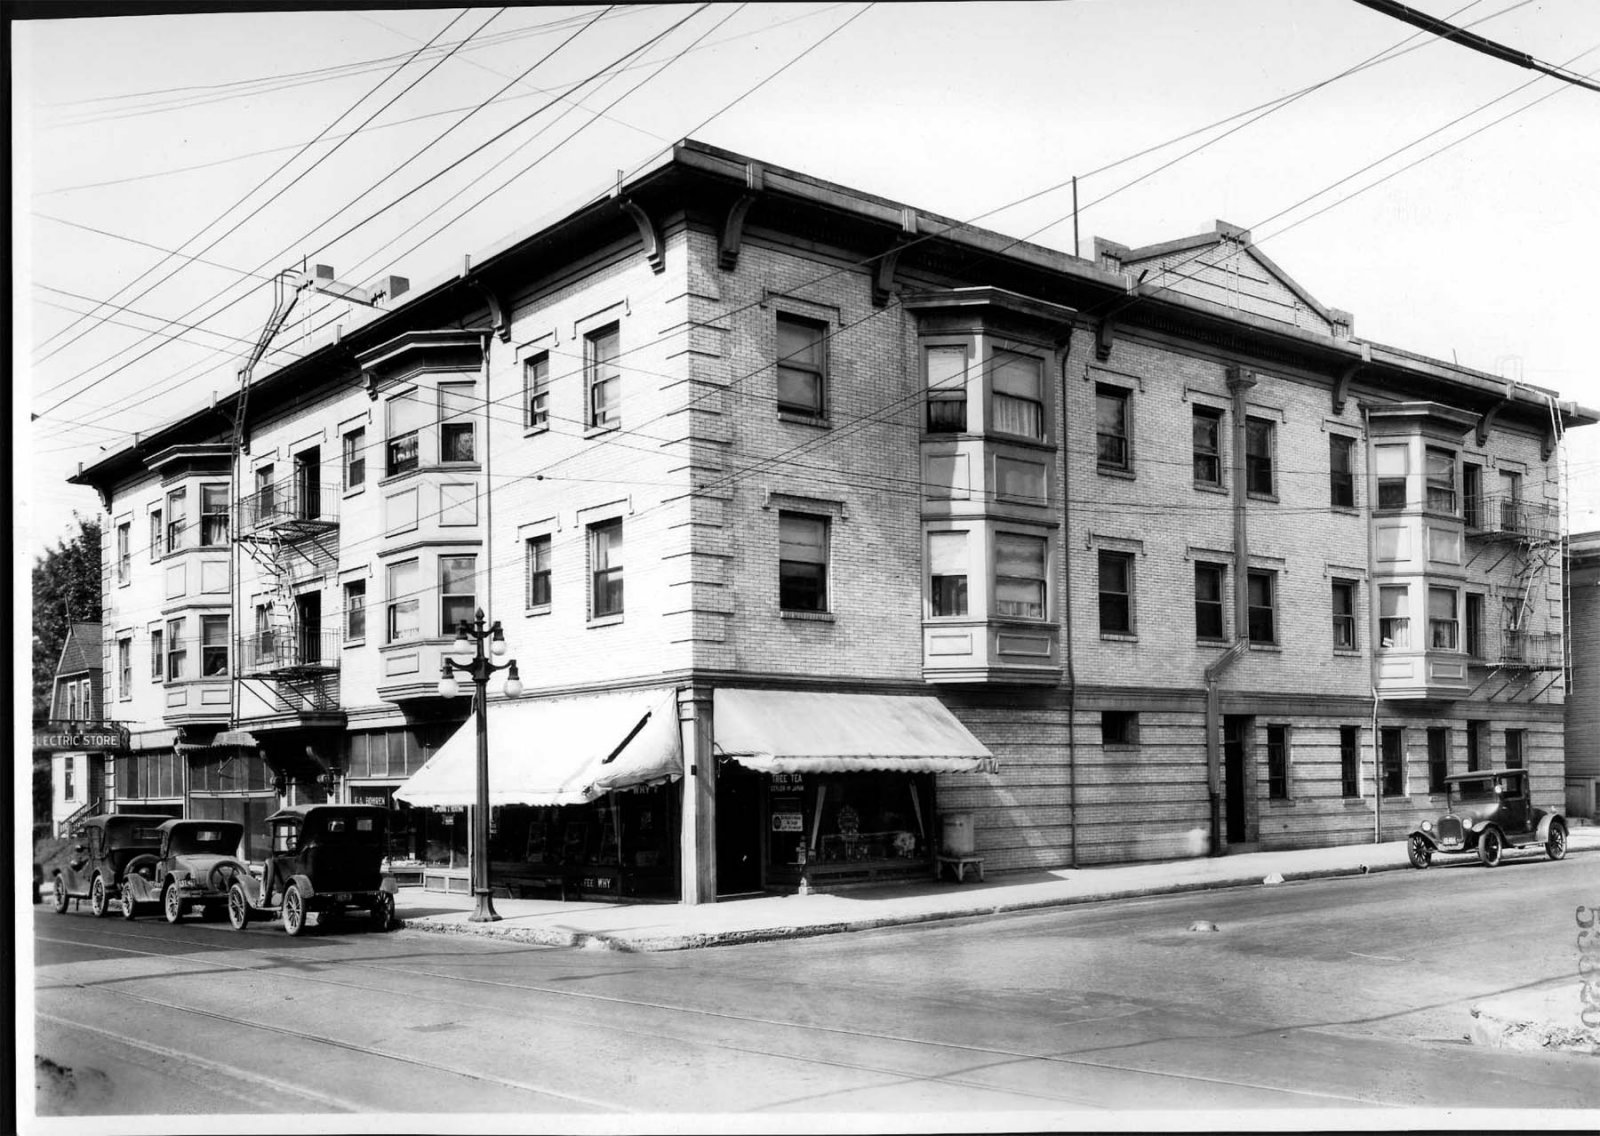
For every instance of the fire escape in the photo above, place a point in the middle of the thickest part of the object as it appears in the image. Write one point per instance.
(1527, 536)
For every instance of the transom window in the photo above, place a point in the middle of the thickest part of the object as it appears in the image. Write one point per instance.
(603, 376)
(1207, 446)
(1019, 575)
(947, 573)
(802, 370)
(802, 562)
(1018, 402)
(605, 568)
(1112, 449)
(947, 388)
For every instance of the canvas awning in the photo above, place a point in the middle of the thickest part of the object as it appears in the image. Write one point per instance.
(788, 731)
(561, 751)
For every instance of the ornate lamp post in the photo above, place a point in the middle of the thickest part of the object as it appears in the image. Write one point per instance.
(470, 639)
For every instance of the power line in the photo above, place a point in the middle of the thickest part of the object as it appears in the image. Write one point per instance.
(1473, 42)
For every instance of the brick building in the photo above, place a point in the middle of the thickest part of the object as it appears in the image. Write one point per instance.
(1583, 655)
(810, 518)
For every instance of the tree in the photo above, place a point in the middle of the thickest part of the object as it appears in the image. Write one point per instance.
(66, 590)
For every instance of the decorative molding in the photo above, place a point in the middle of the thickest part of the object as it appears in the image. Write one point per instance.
(1104, 335)
(654, 250)
(1341, 386)
(1487, 419)
(883, 273)
(499, 315)
(771, 499)
(731, 236)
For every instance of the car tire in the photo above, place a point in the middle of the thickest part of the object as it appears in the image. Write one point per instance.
(129, 908)
(382, 911)
(1555, 845)
(1419, 852)
(61, 895)
(294, 910)
(99, 901)
(172, 904)
(1490, 847)
(238, 907)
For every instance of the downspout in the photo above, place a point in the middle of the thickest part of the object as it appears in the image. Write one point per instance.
(1238, 384)
(1373, 614)
(1066, 630)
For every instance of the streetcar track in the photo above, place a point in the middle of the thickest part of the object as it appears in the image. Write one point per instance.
(1004, 1056)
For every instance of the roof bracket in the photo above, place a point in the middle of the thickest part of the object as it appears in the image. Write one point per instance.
(1487, 421)
(1104, 334)
(497, 310)
(1341, 386)
(731, 237)
(883, 275)
(654, 250)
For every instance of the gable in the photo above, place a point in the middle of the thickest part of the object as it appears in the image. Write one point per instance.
(1234, 276)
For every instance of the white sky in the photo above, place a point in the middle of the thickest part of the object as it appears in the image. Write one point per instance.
(1481, 254)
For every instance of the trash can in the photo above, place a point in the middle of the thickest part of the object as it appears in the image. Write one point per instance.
(957, 837)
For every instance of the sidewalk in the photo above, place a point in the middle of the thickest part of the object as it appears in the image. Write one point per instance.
(671, 927)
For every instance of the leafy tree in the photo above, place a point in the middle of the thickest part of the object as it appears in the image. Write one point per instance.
(66, 590)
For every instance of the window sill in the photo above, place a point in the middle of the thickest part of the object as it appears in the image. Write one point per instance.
(1267, 648)
(1124, 474)
(807, 616)
(800, 418)
(1281, 802)
(540, 609)
(361, 642)
(1347, 510)
(596, 431)
(532, 430)
(355, 491)
(1120, 747)
(1219, 644)
(605, 620)
(1354, 802)
(1347, 652)
(1270, 498)
(1210, 487)
(1119, 637)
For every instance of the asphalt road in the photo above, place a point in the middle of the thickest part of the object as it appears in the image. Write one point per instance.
(1333, 994)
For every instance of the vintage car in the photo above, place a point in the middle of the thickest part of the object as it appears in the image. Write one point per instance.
(195, 864)
(103, 846)
(326, 859)
(1487, 812)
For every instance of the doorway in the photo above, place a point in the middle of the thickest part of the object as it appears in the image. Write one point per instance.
(1235, 739)
(308, 484)
(308, 629)
(738, 830)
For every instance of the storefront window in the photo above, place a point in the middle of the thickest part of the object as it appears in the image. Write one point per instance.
(848, 824)
(620, 845)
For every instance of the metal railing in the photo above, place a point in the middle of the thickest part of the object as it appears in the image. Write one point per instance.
(1535, 651)
(295, 649)
(92, 808)
(289, 502)
(1502, 514)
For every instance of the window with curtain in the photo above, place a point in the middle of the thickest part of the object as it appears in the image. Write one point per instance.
(1441, 477)
(1018, 403)
(1019, 575)
(947, 573)
(213, 515)
(1443, 628)
(1394, 618)
(404, 605)
(1392, 465)
(456, 436)
(947, 388)
(213, 645)
(407, 415)
(458, 592)
(1344, 615)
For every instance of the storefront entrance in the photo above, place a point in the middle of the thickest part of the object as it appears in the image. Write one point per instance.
(738, 830)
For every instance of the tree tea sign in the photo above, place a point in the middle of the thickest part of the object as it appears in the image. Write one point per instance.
(73, 736)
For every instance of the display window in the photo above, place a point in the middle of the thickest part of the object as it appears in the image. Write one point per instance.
(866, 824)
(622, 845)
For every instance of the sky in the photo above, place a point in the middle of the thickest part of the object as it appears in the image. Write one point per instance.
(1445, 198)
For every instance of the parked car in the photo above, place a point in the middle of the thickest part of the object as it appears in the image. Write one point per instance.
(102, 849)
(324, 859)
(195, 864)
(1487, 812)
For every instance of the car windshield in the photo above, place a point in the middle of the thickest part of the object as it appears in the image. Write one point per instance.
(136, 836)
(220, 841)
(1477, 790)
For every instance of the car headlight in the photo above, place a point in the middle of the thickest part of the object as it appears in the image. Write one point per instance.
(1427, 826)
(1466, 824)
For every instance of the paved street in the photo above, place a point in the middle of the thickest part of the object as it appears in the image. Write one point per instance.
(1330, 994)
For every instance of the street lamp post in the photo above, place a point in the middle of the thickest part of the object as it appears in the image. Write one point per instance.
(470, 638)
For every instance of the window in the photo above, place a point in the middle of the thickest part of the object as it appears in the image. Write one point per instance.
(1441, 477)
(1393, 741)
(1111, 428)
(406, 416)
(947, 573)
(177, 518)
(266, 641)
(801, 357)
(1516, 743)
(456, 441)
(355, 611)
(1258, 443)
(1119, 727)
(536, 390)
(355, 458)
(1472, 495)
(802, 562)
(213, 645)
(213, 515)
(1511, 637)
(1438, 758)
(1019, 567)
(602, 377)
(538, 568)
(1392, 465)
(1442, 626)
(405, 605)
(1018, 393)
(157, 662)
(1278, 763)
(1475, 625)
(947, 389)
(1207, 446)
(1350, 760)
(124, 551)
(1344, 615)
(1394, 618)
(1341, 471)
(1263, 607)
(266, 493)
(177, 651)
(69, 790)
(157, 534)
(125, 666)
(1208, 603)
(605, 568)
(1510, 501)
(1116, 593)
(457, 592)
(1474, 746)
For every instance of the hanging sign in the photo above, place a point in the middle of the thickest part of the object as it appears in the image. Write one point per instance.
(72, 736)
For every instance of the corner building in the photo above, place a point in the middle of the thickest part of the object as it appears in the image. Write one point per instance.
(828, 532)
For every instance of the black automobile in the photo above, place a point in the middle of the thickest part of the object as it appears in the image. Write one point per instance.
(103, 847)
(324, 859)
(1488, 812)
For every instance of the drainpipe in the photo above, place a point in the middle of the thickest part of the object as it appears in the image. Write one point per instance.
(1373, 615)
(1066, 630)
(1238, 384)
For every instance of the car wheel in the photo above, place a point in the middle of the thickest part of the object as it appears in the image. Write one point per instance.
(99, 902)
(238, 907)
(1489, 848)
(294, 910)
(172, 904)
(129, 908)
(1419, 851)
(382, 911)
(61, 896)
(1555, 845)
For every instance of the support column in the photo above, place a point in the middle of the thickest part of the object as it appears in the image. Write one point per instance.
(697, 841)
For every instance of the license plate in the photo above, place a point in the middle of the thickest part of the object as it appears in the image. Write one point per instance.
(341, 897)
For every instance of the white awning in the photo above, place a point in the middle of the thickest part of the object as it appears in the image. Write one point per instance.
(561, 751)
(787, 731)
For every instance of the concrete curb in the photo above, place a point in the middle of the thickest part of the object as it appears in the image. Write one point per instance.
(1510, 1030)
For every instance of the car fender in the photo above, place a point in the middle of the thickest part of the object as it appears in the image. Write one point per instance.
(1428, 836)
(389, 885)
(1544, 826)
(251, 886)
(304, 883)
(141, 888)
